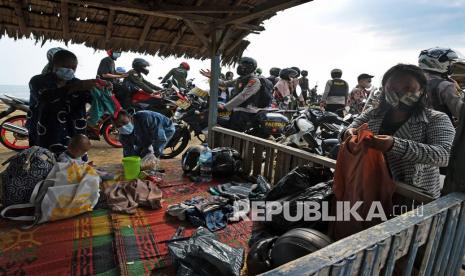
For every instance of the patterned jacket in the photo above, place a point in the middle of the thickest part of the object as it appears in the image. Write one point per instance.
(421, 146)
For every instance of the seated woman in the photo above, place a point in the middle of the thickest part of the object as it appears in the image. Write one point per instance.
(416, 140)
(58, 104)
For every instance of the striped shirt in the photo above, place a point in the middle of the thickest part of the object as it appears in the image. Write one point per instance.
(421, 146)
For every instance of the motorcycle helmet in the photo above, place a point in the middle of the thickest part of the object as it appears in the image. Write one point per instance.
(297, 70)
(275, 71)
(296, 243)
(140, 65)
(190, 159)
(258, 71)
(51, 52)
(185, 65)
(439, 60)
(259, 259)
(226, 162)
(336, 73)
(287, 74)
(246, 66)
(304, 73)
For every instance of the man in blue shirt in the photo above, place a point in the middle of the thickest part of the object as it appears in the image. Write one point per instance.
(143, 130)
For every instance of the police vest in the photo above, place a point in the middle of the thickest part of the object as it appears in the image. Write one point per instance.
(241, 84)
(339, 88)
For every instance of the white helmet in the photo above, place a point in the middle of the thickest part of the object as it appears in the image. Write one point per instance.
(439, 60)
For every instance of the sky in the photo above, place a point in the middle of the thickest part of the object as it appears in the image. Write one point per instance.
(357, 36)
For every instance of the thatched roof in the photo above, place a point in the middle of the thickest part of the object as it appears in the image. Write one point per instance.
(163, 27)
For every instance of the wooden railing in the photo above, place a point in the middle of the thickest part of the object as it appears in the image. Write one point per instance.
(273, 161)
(433, 235)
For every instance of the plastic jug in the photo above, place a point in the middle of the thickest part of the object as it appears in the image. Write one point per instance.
(131, 166)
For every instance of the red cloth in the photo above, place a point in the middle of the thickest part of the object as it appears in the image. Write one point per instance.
(361, 175)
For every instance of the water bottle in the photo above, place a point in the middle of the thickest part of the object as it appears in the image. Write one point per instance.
(205, 162)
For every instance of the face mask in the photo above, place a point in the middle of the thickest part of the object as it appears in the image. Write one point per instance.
(126, 129)
(65, 74)
(116, 55)
(407, 101)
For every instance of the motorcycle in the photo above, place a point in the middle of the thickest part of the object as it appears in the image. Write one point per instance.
(194, 113)
(315, 131)
(14, 134)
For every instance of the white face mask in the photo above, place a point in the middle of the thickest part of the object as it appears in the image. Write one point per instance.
(126, 129)
(65, 74)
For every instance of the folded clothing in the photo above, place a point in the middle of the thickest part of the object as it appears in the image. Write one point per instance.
(127, 196)
(212, 212)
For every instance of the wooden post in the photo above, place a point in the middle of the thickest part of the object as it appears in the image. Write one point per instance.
(214, 86)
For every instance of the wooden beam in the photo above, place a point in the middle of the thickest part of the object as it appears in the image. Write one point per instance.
(205, 41)
(94, 35)
(20, 15)
(141, 9)
(174, 9)
(179, 35)
(109, 27)
(267, 8)
(148, 25)
(64, 14)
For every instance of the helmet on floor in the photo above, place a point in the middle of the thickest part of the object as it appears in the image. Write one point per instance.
(190, 159)
(226, 162)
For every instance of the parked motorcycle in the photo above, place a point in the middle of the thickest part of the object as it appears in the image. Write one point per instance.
(315, 131)
(269, 122)
(13, 132)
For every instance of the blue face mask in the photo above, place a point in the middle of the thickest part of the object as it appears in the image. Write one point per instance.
(126, 129)
(116, 55)
(65, 74)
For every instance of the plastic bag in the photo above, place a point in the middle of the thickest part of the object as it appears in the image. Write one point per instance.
(203, 254)
(149, 162)
(318, 193)
(298, 180)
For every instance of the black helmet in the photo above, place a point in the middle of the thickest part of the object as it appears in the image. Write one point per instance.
(336, 73)
(140, 65)
(296, 243)
(275, 71)
(226, 161)
(190, 158)
(287, 73)
(304, 73)
(246, 66)
(297, 70)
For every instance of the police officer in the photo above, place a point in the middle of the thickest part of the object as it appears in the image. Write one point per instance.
(336, 93)
(442, 92)
(244, 104)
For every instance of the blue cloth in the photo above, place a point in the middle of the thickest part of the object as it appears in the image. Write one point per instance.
(55, 115)
(150, 129)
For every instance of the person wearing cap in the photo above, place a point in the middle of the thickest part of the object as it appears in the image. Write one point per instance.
(336, 93)
(178, 74)
(359, 95)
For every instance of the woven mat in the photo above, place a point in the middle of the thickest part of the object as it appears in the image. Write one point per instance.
(107, 243)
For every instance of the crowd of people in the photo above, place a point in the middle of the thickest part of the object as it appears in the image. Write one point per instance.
(412, 114)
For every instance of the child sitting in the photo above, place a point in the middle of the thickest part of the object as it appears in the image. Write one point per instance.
(77, 150)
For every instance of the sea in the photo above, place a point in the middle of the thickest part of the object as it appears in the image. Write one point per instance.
(20, 91)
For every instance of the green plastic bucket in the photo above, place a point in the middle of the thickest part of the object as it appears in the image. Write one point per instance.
(131, 166)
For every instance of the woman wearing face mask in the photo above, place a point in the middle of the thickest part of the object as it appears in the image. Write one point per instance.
(416, 140)
(57, 103)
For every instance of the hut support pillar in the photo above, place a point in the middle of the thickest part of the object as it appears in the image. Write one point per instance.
(214, 86)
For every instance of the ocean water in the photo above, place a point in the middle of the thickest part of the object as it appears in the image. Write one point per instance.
(20, 91)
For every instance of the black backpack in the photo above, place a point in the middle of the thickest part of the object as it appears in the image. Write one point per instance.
(265, 95)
